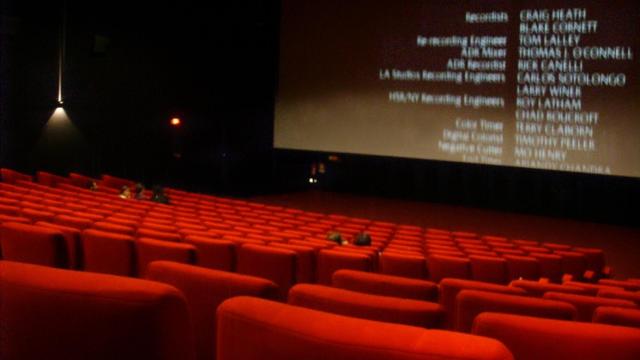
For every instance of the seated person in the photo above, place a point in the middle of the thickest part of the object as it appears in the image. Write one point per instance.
(159, 196)
(125, 192)
(362, 239)
(139, 191)
(336, 238)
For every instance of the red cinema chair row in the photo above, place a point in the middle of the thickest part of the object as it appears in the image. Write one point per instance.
(255, 329)
(49, 313)
(530, 338)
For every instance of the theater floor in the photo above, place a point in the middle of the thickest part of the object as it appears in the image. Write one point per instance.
(621, 244)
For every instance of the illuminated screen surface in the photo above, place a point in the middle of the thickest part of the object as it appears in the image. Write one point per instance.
(535, 84)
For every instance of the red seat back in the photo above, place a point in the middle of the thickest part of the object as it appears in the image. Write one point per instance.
(205, 289)
(366, 306)
(60, 314)
(109, 253)
(470, 303)
(449, 289)
(531, 338)
(386, 285)
(255, 329)
(330, 261)
(33, 244)
(277, 265)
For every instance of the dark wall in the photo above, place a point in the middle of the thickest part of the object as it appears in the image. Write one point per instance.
(131, 66)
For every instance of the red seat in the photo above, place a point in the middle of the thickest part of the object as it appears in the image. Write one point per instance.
(16, 219)
(11, 176)
(470, 303)
(117, 182)
(329, 261)
(155, 226)
(594, 257)
(522, 267)
(586, 305)
(573, 263)
(114, 228)
(149, 250)
(255, 329)
(80, 180)
(386, 285)
(60, 314)
(554, 246)
(49, 179)
(550, 266)
(592, 288)
(277, 265)
(214, 253)
(488, 269)
(627, 285)
(620, 294)
(159, 235)
(72, 238)
(449, 289)
(441, 267)
(9, 210)
(617, 316)
(306, 261)
(531, 338)
(205, 289)
(37, 215)
(33, 244)
(366, 306)
(538, 289)
(410, 266)
(108, 253)
(124, 221)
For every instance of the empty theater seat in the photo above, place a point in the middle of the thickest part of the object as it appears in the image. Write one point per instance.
(627, 285)
(366, 306)
(531, 338)
(620, 294)
(160, 235)
(586, 305)
(550, 265)
(214, 253)
(255, 329)
(149, 250)
(522, 267)
(617, 316)
(329, 261)
(386, 285)
(277, 265)
(11, 176)
(573, 263)
(411, 266)
(470, 303)
(73, 240)
(591, 288)
(61, 314)
(538, 289)
(108, 253)
(449, 289)
(73, 221)
(205, 289)
(306, 261)
(33, 244)
(488, 269)
(441, 267)
(114, 228)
